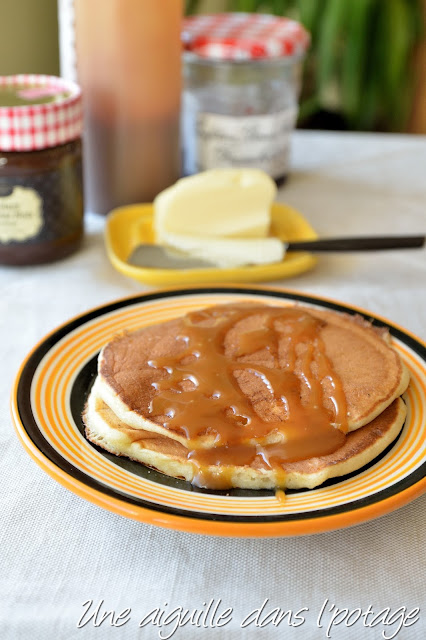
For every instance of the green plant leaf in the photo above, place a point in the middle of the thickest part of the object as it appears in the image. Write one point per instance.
(400, 41)
(248, 6)
(370, 111)
(357, 48)
(330, 36)
(308, 108)
(279, 7)
(309, 11)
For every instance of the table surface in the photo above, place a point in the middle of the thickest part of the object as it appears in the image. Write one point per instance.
(59, 551)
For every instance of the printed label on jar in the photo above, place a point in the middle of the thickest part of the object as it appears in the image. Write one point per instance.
(261, 142)
(20, 215)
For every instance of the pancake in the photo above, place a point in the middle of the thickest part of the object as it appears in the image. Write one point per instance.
(249, 396)
(361, 363)
(170, 457)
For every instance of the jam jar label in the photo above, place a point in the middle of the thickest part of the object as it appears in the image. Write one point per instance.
(21, 215)
(258, 141)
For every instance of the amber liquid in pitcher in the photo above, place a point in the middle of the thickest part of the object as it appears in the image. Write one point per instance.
(129, 66)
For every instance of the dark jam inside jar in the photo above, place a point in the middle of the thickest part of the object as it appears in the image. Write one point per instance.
(41, 204)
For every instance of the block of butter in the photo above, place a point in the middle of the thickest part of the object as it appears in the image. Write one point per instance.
(220, 215)
(229, 252)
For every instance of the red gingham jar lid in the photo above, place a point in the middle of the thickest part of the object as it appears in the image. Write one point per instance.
(244, 36)
(33, 126)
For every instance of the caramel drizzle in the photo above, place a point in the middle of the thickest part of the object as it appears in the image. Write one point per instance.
(200, 395)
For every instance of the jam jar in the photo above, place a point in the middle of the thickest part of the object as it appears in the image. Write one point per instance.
(41, 187)
(242, 77)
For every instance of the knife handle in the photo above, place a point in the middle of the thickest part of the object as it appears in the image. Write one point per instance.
(358, 244)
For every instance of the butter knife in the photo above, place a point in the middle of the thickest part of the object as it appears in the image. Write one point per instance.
(160, 257)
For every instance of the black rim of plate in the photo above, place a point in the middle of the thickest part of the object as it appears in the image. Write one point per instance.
(87, 374)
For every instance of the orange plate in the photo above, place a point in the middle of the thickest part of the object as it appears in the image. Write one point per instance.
(52, 386)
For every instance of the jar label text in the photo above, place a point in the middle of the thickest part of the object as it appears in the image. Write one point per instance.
(21, 215)
(258, 141)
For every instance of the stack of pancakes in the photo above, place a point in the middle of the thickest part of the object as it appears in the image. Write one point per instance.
(135, 368)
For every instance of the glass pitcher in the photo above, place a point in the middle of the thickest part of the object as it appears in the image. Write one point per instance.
(129, 66)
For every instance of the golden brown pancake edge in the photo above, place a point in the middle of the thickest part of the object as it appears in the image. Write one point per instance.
(168, 456)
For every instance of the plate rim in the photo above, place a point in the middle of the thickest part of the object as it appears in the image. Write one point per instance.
(299, 526)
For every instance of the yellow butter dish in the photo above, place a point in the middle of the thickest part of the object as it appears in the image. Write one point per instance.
(128, 227)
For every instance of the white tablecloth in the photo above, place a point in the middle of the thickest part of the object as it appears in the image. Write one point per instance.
(59, 551)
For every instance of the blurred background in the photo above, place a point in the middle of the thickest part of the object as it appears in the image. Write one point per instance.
(366, 68)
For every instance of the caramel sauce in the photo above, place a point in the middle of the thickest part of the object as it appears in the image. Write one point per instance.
(200, 395)
(280, 496)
